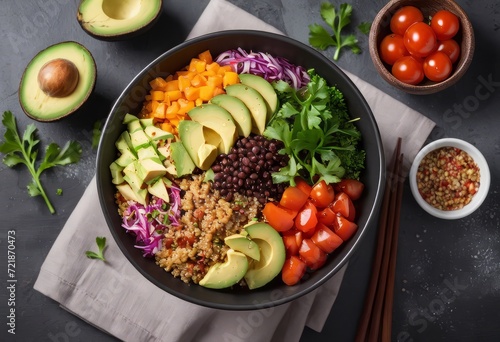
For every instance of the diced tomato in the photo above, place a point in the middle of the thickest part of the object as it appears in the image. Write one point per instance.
(344, 206)
(303, 185)
(279, 218)
(352, 187)
(306, 218)
(325, 239)
(312, 255)
(291, 245)
(327, 216)
(293, 270)
(344, 228)
(293, 198)
(322, 194)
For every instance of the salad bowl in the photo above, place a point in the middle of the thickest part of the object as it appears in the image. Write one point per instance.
(275, 292)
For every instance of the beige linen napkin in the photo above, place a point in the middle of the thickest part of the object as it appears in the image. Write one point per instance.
(116, 298)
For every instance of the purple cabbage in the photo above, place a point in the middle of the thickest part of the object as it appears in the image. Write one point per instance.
(264, 65)
(148, 222)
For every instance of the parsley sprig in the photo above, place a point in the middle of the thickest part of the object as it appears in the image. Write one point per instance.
(101, 245)
(321, 39)
(317, 132)
(23, 150)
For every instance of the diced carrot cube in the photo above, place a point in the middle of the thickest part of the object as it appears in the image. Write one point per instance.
(160, 111)
(157, 95)
(212, 67)
(197, 65)
(198, 80)
(230, 77)
(172, 85)
(184, 82)
(154, 104)
(158, 83)
(206, 56)
(206, 92)
(185, 106)
(172, 110)
(223, 69)
(218, 91)
(215, 81)
(173, 95)
(166, 126)
(192, 93)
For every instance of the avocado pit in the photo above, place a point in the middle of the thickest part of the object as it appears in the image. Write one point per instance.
(58, 77)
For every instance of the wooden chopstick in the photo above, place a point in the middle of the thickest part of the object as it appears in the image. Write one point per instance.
(378, 302)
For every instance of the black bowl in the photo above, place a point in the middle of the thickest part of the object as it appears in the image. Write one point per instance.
(276, 292)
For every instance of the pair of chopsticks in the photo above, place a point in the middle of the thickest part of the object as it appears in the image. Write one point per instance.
(376, 319)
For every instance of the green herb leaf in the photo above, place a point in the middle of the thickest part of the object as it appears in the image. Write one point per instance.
(101, 245)
(318, 134)
(23, 150)
(365, 27)
(321, 39)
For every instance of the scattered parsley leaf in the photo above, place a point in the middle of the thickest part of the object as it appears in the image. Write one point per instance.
(365, 27)
(23, 150)
(101, 245)
(321, 39)
(59, 192)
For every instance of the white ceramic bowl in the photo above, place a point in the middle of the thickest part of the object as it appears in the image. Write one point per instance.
(478, 198)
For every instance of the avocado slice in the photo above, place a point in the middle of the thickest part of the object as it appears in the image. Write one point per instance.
(264, 88)
(229, 273)
(244, 245)
(193, 139)
(219, 120)
(182, 161)
(240, 113)
(57, 81)
(117, 19)
(254, 102)
(159, 189)
(272, 255)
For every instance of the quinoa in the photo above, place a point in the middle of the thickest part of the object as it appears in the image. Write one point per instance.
(191, 248)
(448, 178)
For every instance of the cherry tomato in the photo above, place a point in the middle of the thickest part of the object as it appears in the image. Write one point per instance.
(326, 216)
(325, 239)
(352, 187)
(293, 270)
(420, 40)
(409, 70)
(306, 219)
(344, 206)
(303, 185)
(293, 198)
(311, 254)
(445, 24)
(344, 228)
(404, 17)
(279, 218)
(322, 194)
(392, 48)
(291, 246)
(437, 67)
(451, 48)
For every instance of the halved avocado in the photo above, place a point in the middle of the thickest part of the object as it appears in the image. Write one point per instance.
(227, 274)
(57, 81)
(272, 255)
(117, 19)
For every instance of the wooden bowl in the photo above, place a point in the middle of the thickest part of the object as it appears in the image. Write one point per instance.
(464, 37)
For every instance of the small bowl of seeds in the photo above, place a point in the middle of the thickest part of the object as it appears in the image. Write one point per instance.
(449, 178)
